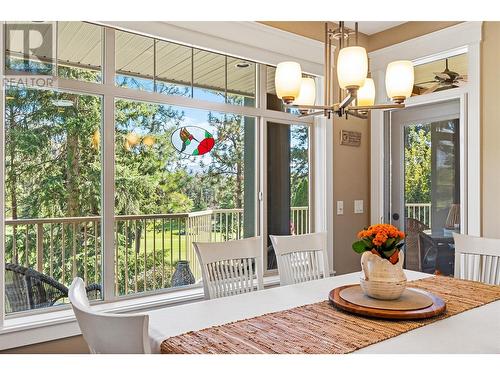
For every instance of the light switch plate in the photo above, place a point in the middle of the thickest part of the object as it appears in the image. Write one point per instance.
(340, 207)
(358, 206)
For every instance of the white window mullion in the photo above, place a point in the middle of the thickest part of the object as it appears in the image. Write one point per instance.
(261, 92)
(2, 181)
(311, 193)
(472, 172)
(262, 140)
(321, 201)
(260, 169)
(108, 174)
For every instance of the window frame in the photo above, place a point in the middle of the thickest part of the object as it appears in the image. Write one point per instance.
(2, 179)
(264, 123)
(109, 92)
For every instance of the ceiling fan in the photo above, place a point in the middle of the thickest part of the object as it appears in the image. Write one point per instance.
(442, 81)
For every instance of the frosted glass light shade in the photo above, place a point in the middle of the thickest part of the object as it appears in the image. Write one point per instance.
(287, 80)
(307, 94)
(399, 79)
(352, 67)
(366, 93)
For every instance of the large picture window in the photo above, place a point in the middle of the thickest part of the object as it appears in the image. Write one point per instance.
(180, 177)
(186, 165)
(74, 50)
(153, 65)
(53, 195)
(79, 51)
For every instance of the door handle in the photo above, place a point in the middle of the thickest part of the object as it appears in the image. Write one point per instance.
(395, 216)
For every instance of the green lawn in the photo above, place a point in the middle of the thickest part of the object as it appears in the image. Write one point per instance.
(174, 246)
(168, 244)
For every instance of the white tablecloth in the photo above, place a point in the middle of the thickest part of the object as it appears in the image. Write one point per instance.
(473, 331)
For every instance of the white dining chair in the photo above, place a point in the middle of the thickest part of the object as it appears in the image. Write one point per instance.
(232, 267)
(109, 333)
(301, 257)
(477, 258)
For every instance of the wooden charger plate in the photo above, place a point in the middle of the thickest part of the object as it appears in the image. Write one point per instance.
(438, 307)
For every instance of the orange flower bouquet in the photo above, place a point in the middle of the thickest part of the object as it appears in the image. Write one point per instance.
(384, 240)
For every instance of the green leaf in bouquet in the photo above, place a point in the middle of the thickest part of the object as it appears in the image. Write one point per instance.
(388, 253)
(359, 247)
(368, 243)
(389, 243)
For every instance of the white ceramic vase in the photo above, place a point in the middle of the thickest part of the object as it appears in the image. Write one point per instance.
(380, 278)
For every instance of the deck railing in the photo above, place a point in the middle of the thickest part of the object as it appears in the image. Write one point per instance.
(419, 211)
(58, 247)
(299, 220)
(147, 247)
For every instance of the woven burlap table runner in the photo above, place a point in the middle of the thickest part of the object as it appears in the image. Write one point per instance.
(321, 328)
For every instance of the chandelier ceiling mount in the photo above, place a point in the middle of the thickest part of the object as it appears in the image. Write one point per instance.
(356, 87)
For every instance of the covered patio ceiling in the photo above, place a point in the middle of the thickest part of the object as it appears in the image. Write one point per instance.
(80, 45)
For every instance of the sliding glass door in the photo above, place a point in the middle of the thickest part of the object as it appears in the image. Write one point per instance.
(288, 183)
(425, 183)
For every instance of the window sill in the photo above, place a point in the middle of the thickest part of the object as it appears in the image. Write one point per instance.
(53, 325)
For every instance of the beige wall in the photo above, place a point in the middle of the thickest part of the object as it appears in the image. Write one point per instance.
(351, 181)
(405, 31)
(309, 29)
(70, 345)
(490, 121)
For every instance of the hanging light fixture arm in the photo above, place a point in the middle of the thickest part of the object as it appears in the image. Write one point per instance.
(341, 34)
(354, 79)
(326, 69)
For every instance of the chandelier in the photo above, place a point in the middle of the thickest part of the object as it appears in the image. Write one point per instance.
(356, 86)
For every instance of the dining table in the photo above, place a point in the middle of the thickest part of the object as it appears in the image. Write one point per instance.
(472, 331)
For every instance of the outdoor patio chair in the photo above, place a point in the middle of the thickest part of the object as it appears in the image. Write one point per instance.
(27, 289)
(413, 257)
(428, 249)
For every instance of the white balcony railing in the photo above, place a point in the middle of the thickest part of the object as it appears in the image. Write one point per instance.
(299, 220)
(419, 211)
(146, 246)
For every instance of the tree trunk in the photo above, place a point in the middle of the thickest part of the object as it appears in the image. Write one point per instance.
(13, 179)
(138, 235)
(239, 184)
(13, 183)
(73, 171)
